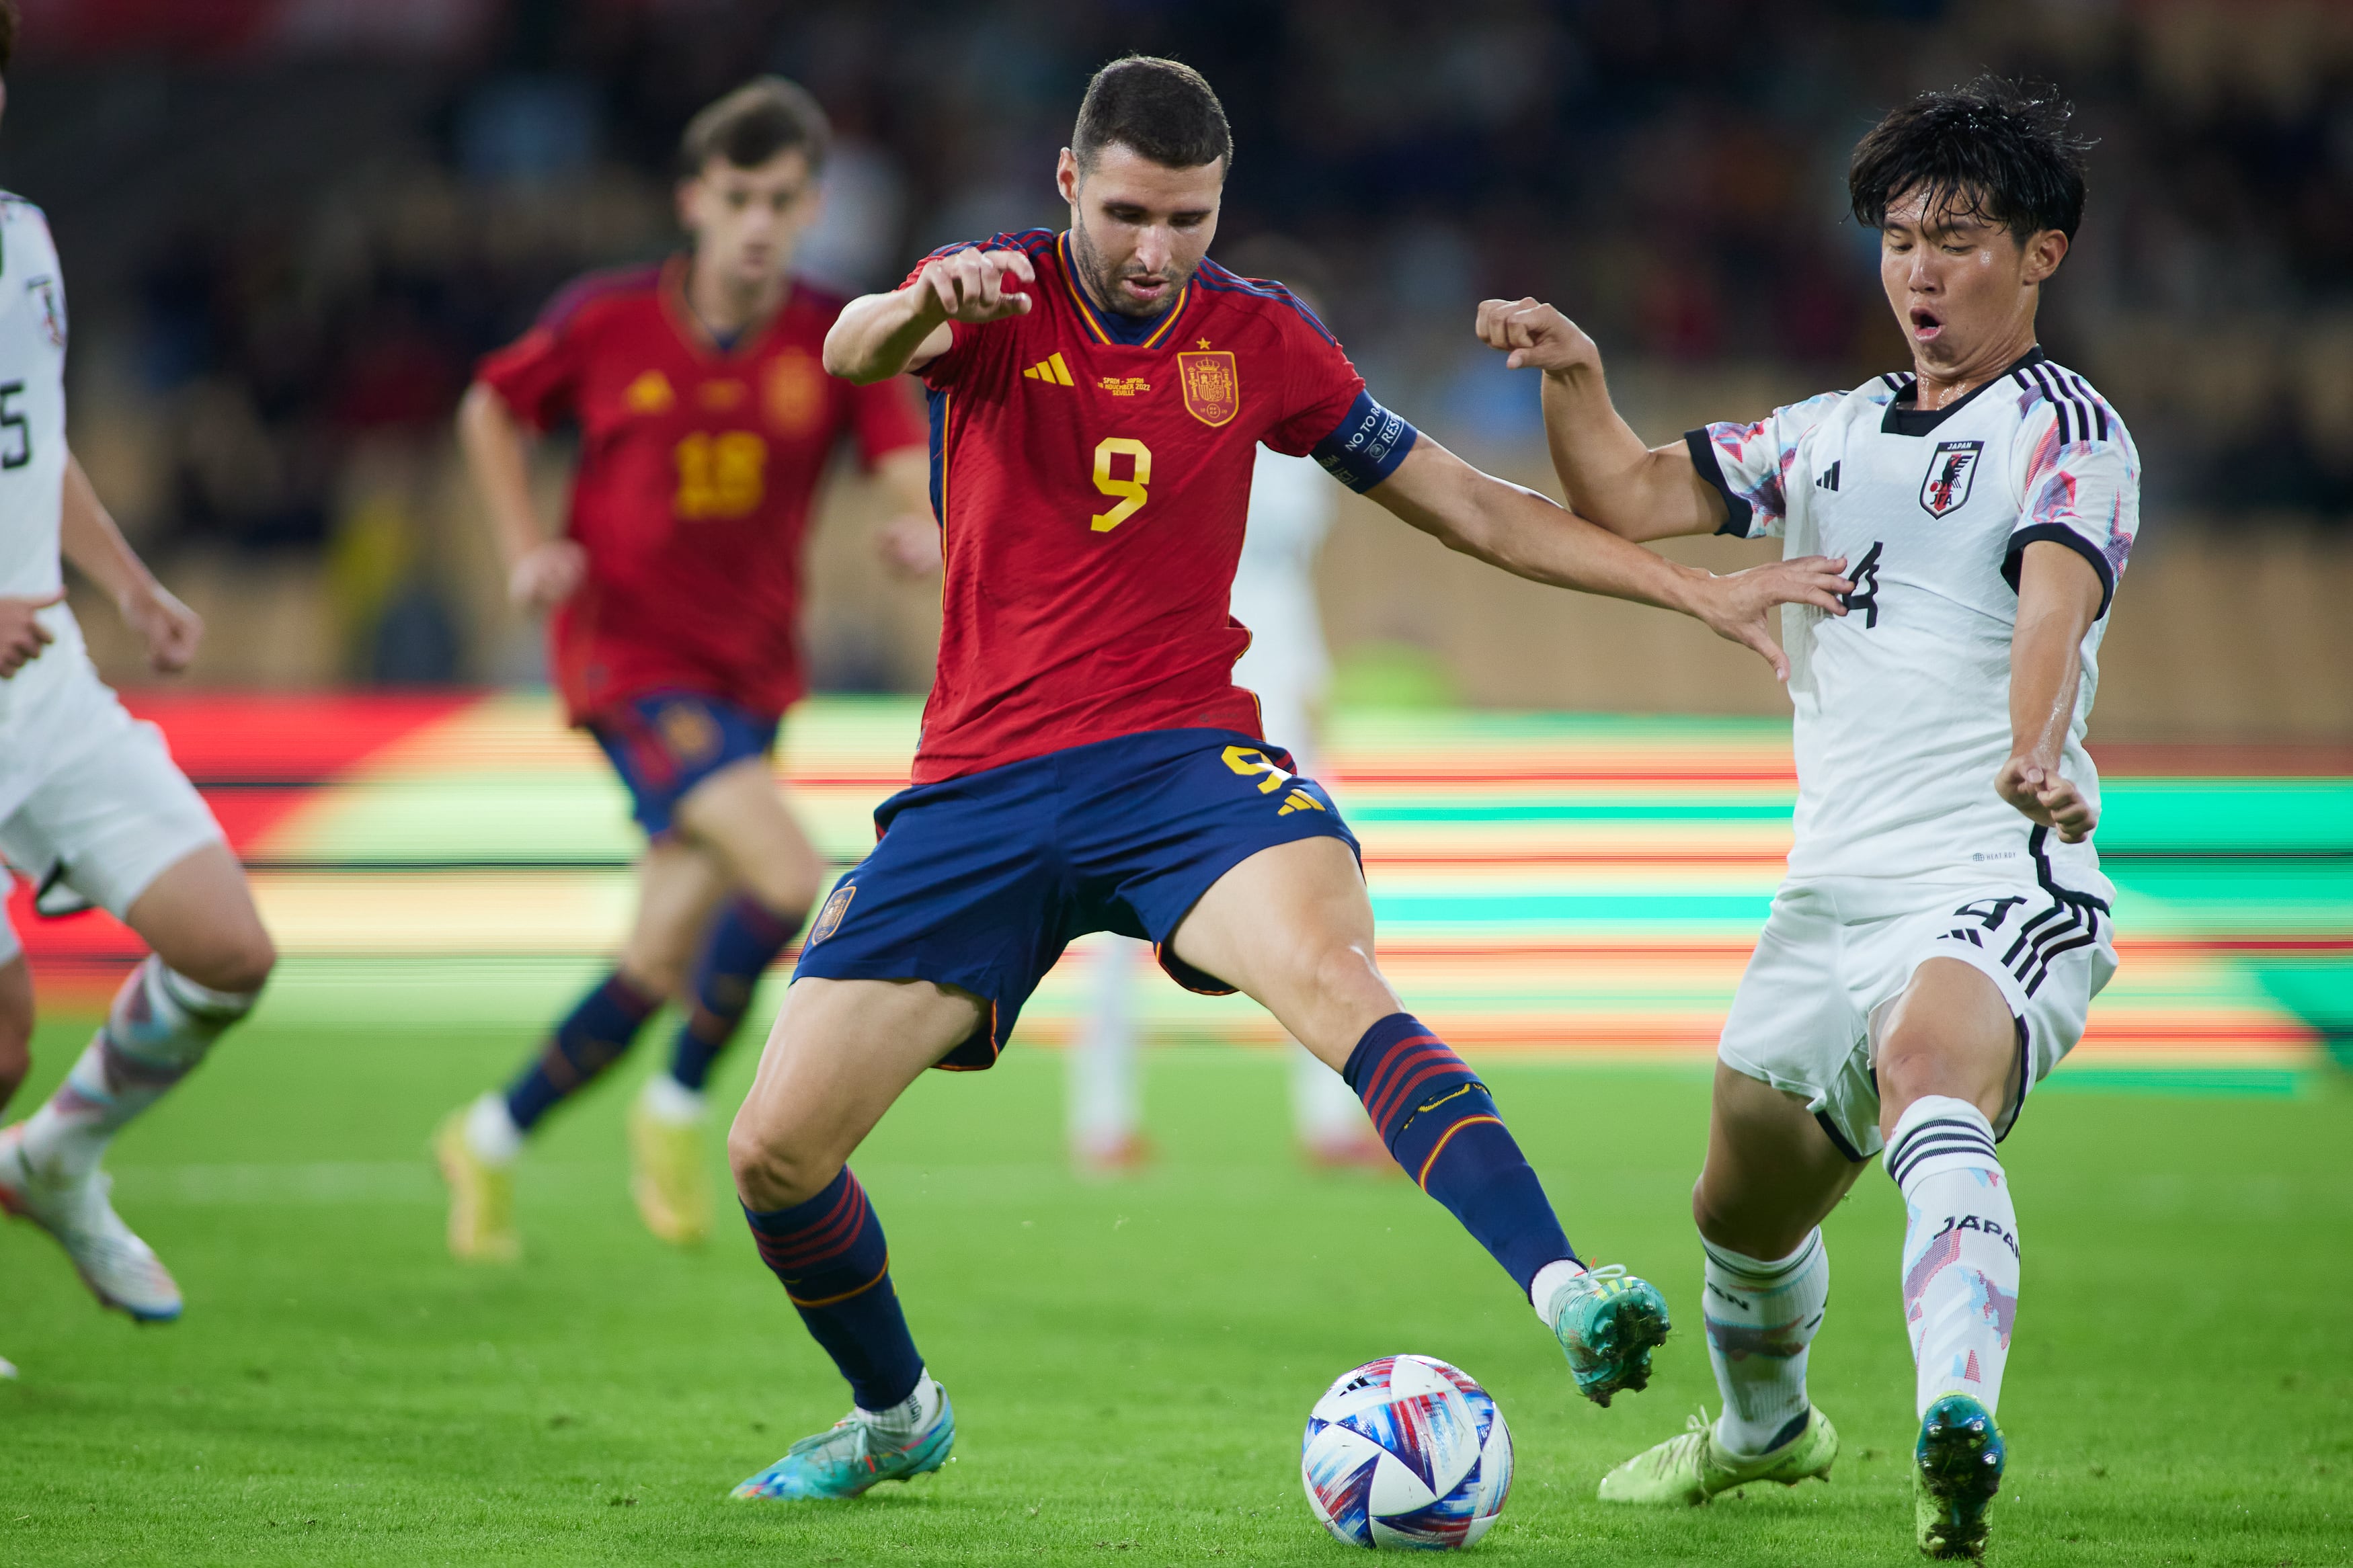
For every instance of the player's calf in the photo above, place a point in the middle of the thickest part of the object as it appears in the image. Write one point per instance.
(1440, 1123)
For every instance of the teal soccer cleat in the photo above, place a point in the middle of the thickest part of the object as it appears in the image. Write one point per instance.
(1608, 1321)
(845, 1461)
(1957, 1471)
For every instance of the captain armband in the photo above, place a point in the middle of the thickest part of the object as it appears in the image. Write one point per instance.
(1367, 446)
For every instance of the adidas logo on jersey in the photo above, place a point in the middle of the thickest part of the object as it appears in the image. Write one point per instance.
(1300, 800)
(1050, 368)
(1829, 480)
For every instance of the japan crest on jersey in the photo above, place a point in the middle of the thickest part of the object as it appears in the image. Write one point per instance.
(44, 291)
(1950, 473)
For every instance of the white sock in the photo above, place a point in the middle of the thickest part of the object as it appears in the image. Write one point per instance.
(1106, 1105)
(491, 1130)
(159, 1028)
(1960, 1248)
(667, 1100)
(1323, 1108)
(1544, 1289)
(1762, 1316)
(910, 1415)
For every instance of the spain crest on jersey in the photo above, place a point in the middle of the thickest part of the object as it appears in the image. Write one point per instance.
(1213, 389)
(1950, 473)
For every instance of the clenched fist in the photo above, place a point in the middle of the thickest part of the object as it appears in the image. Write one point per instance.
(1535, 335)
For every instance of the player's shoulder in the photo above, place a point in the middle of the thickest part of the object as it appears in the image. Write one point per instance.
(1262, 297)
(2041, 389)
(594, 295)
(1034, 243)
(19, 215)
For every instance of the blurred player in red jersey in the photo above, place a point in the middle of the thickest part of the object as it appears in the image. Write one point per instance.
(706, 421)
(1097, 399)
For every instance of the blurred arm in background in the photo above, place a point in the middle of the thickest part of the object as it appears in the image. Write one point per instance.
(1635, 491)
(909, 538)
(1530, 536)
(87, 537)
(542, 568)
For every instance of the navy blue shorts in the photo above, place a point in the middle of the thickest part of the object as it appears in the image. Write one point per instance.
(979, 882)
(665, 744)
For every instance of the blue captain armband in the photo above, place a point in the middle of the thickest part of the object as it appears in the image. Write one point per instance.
(1367, 446)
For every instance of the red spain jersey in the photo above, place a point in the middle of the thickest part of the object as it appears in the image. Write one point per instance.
(698, 466)
(1092, 474)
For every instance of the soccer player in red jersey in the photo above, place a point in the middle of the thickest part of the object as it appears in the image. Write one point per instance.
(1097, 397)
(706, 421)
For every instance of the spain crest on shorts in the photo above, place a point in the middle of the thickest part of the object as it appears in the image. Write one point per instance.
(829, 919)
(1950, 473)
(1213, 388)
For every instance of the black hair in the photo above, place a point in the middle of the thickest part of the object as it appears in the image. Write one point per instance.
(1160, 110)
(766, 116)
(7, 34)
(1997, 149)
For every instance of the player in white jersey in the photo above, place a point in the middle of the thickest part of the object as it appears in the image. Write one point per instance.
(92, 808)
(1944, 924)
(1291, 509)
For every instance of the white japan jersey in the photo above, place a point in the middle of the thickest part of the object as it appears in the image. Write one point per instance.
(38, 704)
(1902, 703)
(1291, 508)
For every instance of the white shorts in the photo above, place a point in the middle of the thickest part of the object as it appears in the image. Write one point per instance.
(107, 821)
(1837, 951)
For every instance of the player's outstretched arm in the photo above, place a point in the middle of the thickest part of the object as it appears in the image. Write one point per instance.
(88, 538)
(2058, 598)
(1529, 536)
(543, 571)
(1635, 491)
(881, 335)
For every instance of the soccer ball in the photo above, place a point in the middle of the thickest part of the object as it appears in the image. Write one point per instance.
(1407, 1451)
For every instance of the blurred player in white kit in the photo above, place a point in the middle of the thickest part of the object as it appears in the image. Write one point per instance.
(92, 809)
(1292, 505)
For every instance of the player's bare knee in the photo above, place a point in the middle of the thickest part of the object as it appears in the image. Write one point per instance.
(235, 960)
(771, 1171)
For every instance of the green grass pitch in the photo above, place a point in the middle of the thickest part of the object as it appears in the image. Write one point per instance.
(1132, 1363)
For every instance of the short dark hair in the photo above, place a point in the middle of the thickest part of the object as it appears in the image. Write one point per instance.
(766, 116)
(7, 34)
(1160, 110)
(1997, 149)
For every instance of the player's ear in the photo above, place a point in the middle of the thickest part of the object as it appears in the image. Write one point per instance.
(2044, 252)
(1066, 175)
(688, 197)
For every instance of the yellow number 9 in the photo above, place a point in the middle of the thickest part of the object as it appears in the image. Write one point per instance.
(1130, 491)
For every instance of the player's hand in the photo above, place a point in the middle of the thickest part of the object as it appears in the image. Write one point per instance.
(170, 629)
(546, 575)
(2040, 792)
(910, 545)
(1735, 606)
(22, 636)
(971, 285)
(1535, 334)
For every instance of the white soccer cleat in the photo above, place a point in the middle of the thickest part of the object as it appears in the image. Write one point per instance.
(121, 1271)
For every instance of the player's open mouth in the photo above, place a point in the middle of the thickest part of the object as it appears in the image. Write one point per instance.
(1146, 288)
(1925, 325)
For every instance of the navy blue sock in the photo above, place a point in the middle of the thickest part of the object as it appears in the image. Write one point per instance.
(595, 1036)
(744, 939)
(836, 1269)
(1440, 1123)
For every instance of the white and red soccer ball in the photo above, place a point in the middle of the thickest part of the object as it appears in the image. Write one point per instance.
(1407, 1451)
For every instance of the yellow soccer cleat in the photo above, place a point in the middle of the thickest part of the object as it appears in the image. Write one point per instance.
(666, 1172)
(1689, 1469)
(482, 1196)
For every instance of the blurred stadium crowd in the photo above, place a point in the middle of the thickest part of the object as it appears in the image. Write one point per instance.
(290, 226)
